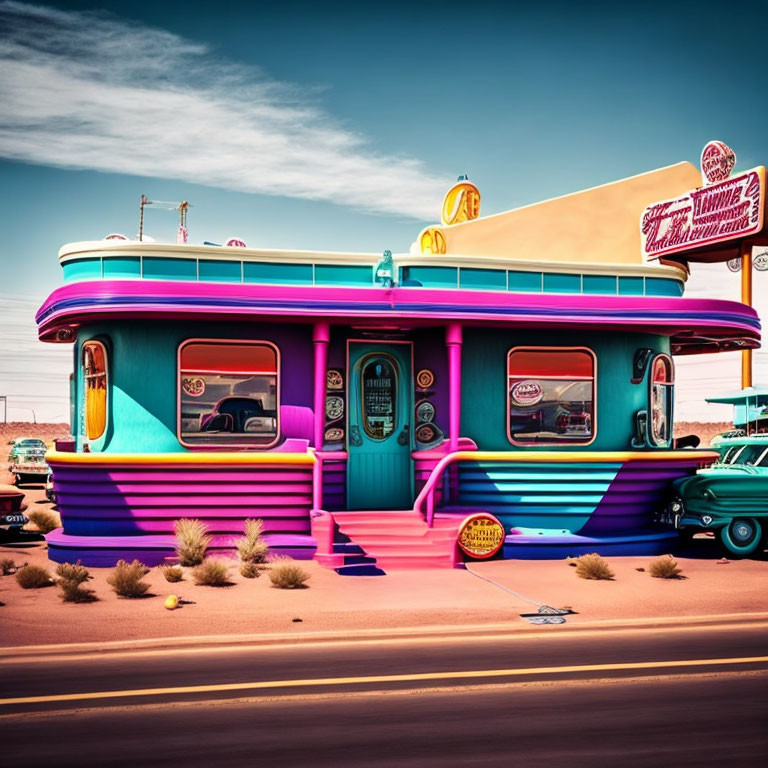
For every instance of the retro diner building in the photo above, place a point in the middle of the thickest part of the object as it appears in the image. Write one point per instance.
(517, 366)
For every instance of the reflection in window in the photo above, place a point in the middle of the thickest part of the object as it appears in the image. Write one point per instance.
(662, 382)
(379, 391)
(94, 362)
(228, 393)
(551, 393)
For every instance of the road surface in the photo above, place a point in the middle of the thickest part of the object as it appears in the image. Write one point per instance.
(683, 696)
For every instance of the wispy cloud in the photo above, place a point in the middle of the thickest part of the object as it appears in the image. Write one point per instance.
(88, 90)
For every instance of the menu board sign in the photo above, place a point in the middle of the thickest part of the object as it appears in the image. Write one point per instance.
(719, 212)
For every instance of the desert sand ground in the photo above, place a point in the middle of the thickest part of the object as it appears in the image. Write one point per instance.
(436, 598)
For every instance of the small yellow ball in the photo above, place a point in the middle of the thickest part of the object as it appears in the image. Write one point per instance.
(171, 602)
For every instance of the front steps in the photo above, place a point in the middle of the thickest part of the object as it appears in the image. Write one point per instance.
(374, 541)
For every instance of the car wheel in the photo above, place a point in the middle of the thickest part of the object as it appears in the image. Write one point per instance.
(742, 537)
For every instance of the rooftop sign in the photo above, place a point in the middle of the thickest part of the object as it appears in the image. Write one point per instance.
(724, 209)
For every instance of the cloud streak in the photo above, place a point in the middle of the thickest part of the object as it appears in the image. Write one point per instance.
(87, 90)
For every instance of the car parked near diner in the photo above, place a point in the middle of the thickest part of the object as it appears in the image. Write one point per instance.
(730, 498)
(26, 460)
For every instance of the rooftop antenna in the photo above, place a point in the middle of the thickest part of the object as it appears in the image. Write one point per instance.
(182, 208)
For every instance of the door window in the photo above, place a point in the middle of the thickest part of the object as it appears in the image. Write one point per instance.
(379, 393)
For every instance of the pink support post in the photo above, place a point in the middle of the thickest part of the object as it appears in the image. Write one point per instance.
(321, 336)
(453, 340)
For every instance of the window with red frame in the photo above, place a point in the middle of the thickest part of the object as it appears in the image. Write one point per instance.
(228, 393)
(550, 395)
(661, 398)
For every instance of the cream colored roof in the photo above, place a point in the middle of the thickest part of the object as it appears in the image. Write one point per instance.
(597, 226)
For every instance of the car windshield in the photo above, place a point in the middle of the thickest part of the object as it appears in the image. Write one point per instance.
(748, 455)
(30, 443)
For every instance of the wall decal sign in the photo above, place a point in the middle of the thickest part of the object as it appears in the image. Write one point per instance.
(481, 536)
(425, 378)
(334, 379)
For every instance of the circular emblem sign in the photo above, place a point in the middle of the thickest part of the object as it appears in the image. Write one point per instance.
(481, 536)
(761, 262)
(194, 386)
(334, 379)
(425, 378)
(526, 392)
(717, 161)
(734, 264)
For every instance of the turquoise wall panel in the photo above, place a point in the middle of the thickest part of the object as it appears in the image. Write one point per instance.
(433, 277)
(600, 284)
(525, 282)
(562, 283)
(340, 274)
(552, 496)
(169, 269)
(122, 266)
(488, 279)
(631, 286)
(484, 383)
(82, 269)
(655, 286)
(285, 274)
(215, 271)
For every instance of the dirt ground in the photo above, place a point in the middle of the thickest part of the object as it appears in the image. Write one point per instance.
(488, 593)
(405, 599)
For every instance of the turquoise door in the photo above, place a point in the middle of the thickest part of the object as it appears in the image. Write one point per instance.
(379, 467)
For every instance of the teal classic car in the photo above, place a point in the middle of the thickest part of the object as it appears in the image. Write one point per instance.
(26, 460)
(730, 498)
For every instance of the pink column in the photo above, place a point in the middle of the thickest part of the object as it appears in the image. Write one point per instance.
(320, 336)
(453, 339)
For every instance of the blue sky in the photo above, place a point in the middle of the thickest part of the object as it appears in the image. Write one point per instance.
(339, 126)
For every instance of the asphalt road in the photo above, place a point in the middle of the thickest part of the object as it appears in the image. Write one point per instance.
(688, 696)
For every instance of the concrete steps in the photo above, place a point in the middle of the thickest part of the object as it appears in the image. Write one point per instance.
(396, 539)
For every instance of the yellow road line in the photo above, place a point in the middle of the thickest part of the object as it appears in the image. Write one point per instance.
(368, 679)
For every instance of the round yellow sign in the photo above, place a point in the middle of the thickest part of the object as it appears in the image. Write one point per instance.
(481, 536)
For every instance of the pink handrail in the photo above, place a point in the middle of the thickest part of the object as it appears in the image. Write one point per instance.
(427, 493)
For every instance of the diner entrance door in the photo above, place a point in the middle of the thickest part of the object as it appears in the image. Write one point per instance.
(379, 434)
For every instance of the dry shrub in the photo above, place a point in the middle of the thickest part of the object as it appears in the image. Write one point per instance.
(7, 566)
(71, 578)
(44, 520)
(192, 540)
(250, 546)
(72, 592)
(285, 574)
(594, 567)
(33, 577)
(665, 568)
(75, 573)
(250, 570)
(172, 573)
(126, 579)
(212, 573)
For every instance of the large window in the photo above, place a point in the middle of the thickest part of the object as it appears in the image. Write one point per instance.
(550, 395)
(94, 363)
(662, 382)
(228, 393)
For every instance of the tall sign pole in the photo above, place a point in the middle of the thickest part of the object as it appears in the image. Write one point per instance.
(746, 298)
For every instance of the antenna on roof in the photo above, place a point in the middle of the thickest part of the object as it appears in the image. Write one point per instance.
(182, 208)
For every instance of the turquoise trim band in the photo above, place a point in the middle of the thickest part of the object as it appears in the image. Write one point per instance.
(268, 273)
